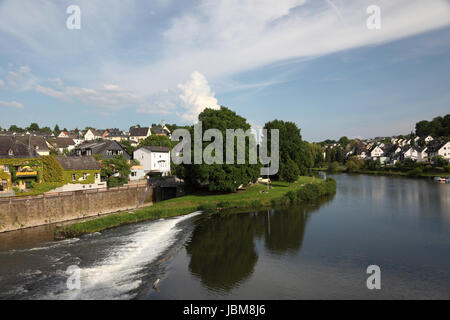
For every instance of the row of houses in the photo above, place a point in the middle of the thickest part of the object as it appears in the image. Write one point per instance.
(69, 139)
(392, 153)
(21, 164)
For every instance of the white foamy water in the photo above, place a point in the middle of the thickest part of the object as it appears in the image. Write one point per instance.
(119, 273)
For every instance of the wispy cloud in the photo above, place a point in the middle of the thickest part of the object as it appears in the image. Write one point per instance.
(213, 40)
(12, 104)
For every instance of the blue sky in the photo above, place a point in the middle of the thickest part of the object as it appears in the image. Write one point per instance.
(311, 62)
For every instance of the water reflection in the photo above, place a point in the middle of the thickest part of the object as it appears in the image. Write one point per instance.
(222, 248)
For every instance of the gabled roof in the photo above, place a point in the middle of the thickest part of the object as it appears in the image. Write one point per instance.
(34, 142)
(20, 150)
(97, 133)
(156, 148)
(78, 163)
(435, 145)
(160, 130)
(100, 147)
(62, 142)
(139, 132)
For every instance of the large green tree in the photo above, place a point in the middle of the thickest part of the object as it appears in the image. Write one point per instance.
(292, 147)
(438, 127)
(219, 177)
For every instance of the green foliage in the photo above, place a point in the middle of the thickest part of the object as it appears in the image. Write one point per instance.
(372, 164)
(128, 147)
(438, 127)
(309, 192)
(439, 161)
(219, 177)
(417, 172)
(293, 147)
(156, 140)
(344, 141)
(353, 164)
(333, 167)
(289, 172)
(79, 176)
(116, 166)
(33, 127)
(52, 170)
(16, 128)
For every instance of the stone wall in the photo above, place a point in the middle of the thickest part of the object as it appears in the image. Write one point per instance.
(19, 213)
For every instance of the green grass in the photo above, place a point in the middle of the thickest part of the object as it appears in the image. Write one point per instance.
(250, 198)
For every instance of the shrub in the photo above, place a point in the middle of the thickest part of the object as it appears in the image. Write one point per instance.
(333, 167)
(414, 172)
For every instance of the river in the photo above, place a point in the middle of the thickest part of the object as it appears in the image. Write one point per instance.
(315, 251)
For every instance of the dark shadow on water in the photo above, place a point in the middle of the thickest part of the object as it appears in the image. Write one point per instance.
(222, 247)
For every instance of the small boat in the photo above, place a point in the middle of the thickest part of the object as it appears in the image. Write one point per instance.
(447, 180)
(439, 179)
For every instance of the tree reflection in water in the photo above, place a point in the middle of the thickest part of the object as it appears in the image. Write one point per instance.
(222, 247)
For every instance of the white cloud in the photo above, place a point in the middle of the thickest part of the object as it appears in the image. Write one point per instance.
(187, 100)
(12, 104)
(196, 95)
(225, 37)
(219, 39)
(109, 97)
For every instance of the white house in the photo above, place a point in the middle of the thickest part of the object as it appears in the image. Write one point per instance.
(63, 134)
(428, 139)
(375, 152)
(439, 149)
(410, 153)
(422, 154)
(139, 134)
(154, 159)
(92, 135)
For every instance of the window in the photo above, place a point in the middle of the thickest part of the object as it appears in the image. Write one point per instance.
(84, 176)
(109, 152)
(88, 152)
(4, 183)
(133, 173)
(96, 176)
(73, 177)
(10, 152)
(6, 169)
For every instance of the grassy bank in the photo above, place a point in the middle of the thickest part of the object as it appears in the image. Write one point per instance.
(305, 189)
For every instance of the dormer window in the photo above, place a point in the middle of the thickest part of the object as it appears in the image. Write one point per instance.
(10, 152)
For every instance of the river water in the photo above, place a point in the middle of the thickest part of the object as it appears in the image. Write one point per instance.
(315, 251)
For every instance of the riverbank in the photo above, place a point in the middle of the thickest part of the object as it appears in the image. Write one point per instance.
(255, 196)
(389, 172)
